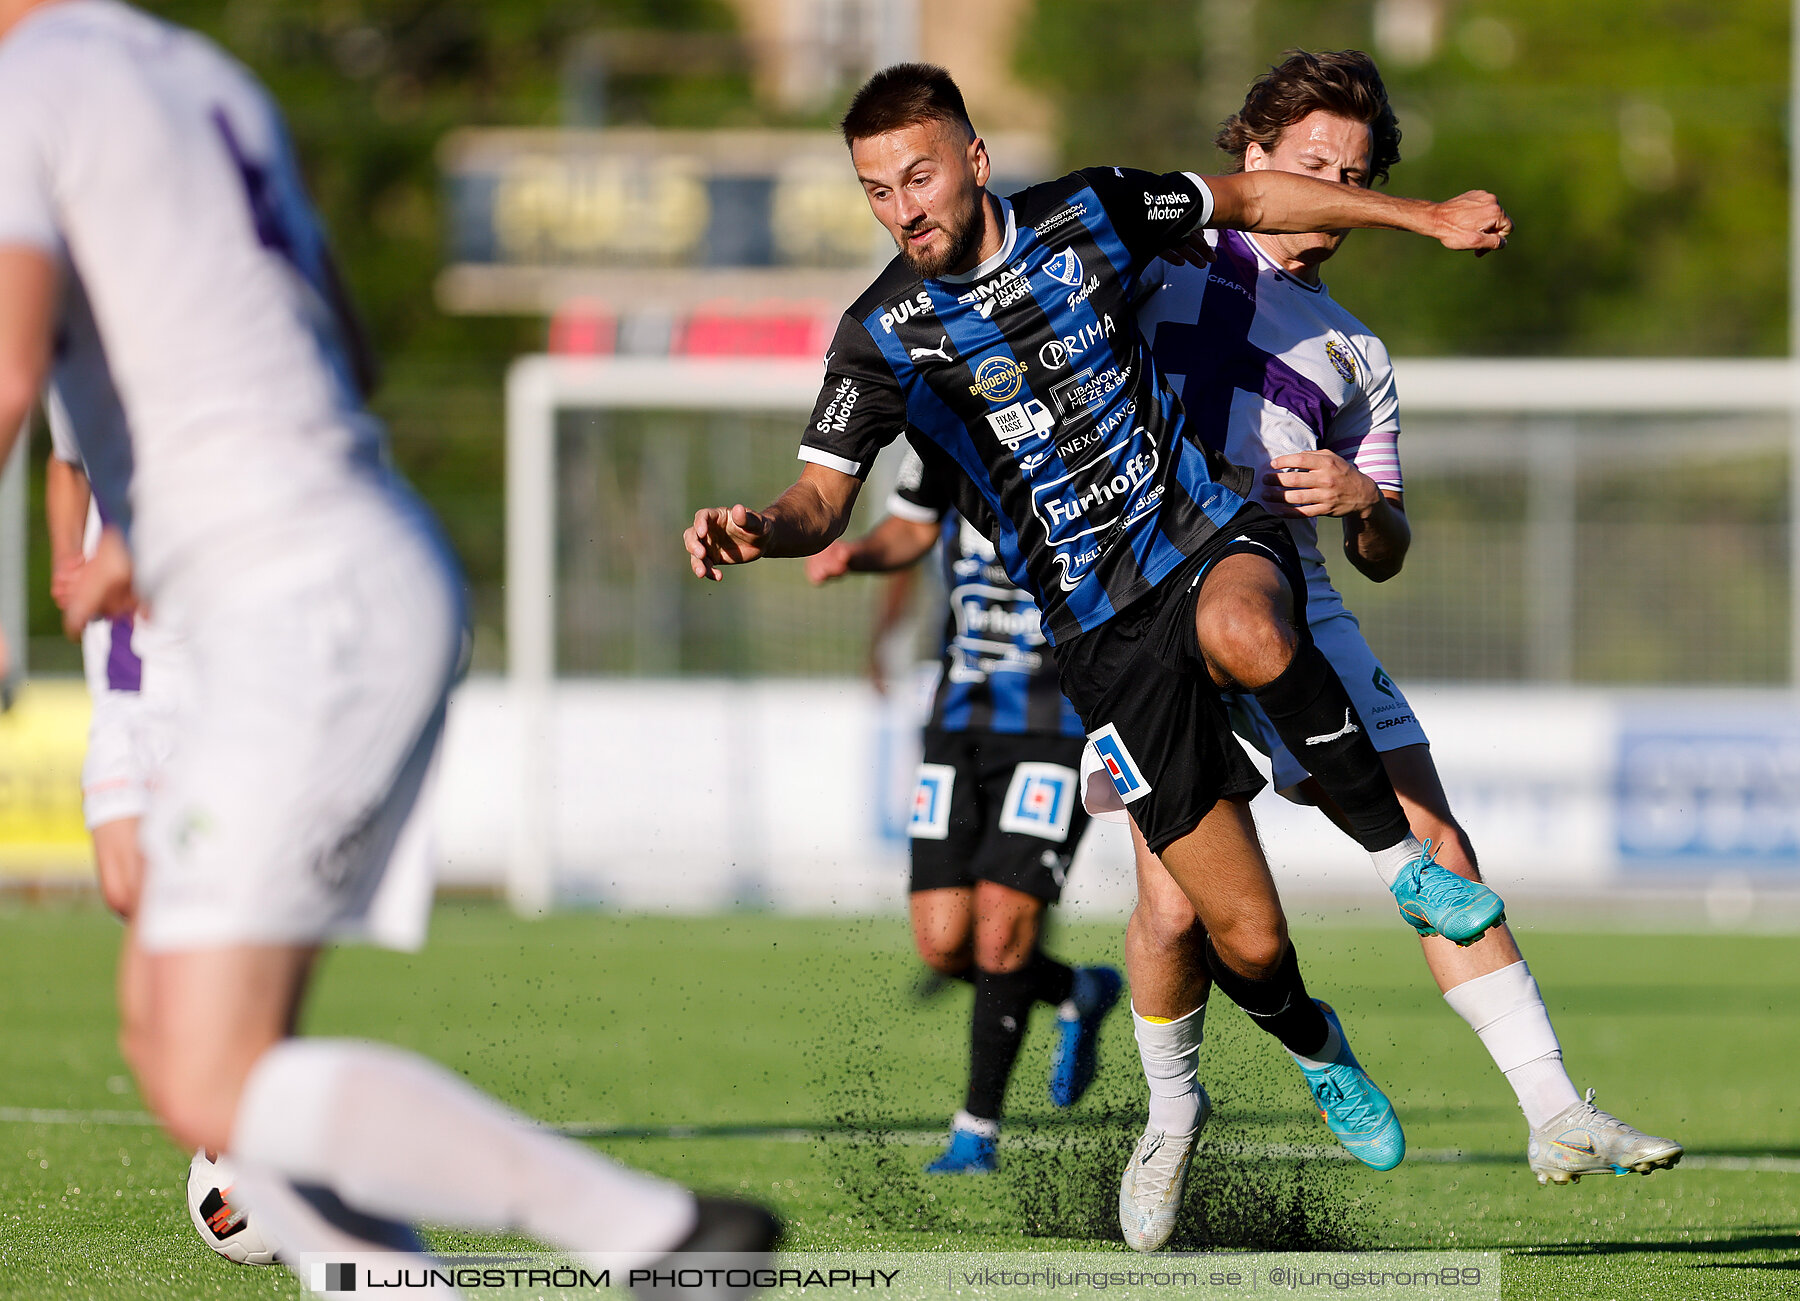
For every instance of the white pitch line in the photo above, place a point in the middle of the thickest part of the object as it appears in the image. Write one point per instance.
(908, 1137)
(53, 1116)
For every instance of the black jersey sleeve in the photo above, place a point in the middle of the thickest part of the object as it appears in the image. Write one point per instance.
(861, 408)
(922, 494)
(1151, 211)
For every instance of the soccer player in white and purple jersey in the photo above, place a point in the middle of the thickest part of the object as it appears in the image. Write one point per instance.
(1281, 378)
(325, 619)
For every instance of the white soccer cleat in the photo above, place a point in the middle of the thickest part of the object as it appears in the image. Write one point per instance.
(1581, 1140)
(1155, 1179)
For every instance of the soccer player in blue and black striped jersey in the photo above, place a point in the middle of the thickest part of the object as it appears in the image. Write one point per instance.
(997, 811)
(1002, 343)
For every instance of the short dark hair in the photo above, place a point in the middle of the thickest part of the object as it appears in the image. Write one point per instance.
(1343, 82)
(904, 95)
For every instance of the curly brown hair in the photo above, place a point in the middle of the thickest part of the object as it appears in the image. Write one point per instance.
(1343, 82)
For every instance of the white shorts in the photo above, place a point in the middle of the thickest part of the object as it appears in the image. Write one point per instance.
(1383, 710)
(291, 810)
(136, 675)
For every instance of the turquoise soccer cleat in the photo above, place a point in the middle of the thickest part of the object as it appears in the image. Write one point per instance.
(1075, 1060)
(1357, 1112)
(1436, 901)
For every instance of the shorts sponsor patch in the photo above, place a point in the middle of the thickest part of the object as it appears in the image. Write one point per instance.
(931, 802)
(1040, 801)
(1127, 778)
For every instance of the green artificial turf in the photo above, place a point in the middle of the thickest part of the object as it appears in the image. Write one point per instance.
(792, 1061)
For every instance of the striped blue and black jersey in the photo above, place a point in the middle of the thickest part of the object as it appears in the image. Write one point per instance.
(1029, 374)
(997, 673)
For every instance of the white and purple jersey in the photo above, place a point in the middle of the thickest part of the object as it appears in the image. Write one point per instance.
(146, 161)
(1271, 365)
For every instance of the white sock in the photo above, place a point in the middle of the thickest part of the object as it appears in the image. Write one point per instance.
(400, 1137)
(1329, 1051)
(988, 1129)
(1170, 1051)
(1390, 862)
(299, 1230)
(1506, 1010)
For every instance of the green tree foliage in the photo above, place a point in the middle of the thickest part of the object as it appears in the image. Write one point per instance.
(1638, 144)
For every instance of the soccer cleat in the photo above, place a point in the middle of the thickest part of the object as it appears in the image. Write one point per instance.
(1354, 1110)
(1581, 1140)
(723, 1226)
(969, 1153)
(1072, 1066)
(1436, 901)
(1154, 1180)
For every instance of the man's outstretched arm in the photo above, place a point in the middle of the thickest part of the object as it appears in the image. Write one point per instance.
(892, 544)
(807, 517)
(1275, 202)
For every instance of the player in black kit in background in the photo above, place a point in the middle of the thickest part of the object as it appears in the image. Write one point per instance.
(997, 811)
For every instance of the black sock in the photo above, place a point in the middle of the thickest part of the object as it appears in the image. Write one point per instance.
(1313, 716)
(1278, 1004)
(1002, 1004)
(1051, 981)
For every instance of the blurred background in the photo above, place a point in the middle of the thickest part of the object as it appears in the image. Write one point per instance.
(1597, 620)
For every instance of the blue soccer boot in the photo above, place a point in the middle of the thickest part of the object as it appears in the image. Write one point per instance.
(973, 1150)
(1436, 901)
(1072, 1066)
(1357, 1112)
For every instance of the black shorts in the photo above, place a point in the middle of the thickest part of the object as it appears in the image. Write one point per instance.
(1144, 693)
(996, 807)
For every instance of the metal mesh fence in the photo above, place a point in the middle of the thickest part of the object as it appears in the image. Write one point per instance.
(1602, 550)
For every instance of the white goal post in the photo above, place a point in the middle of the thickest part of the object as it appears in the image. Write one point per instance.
(538, 387)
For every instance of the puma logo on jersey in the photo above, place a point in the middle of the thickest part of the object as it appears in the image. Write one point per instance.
(941, 352)
(1347, 729)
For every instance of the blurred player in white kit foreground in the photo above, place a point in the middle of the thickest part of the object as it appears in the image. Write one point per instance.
(324, 618)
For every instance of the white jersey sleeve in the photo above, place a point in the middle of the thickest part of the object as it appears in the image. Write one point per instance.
(27, 206)
(1366, 432)
(162, 171)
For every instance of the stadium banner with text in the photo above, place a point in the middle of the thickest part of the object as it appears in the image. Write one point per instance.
(643, 219)
(43, 738)
(928, 1276)
(1560, 789)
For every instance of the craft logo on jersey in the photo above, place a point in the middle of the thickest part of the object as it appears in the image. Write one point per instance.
(998, 378)
(1343, 361)
(1013, 425)
(931, 802)
(1040, 801)
(1065, 267)
(1127, 777)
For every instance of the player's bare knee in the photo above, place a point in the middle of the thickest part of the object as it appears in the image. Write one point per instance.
(1251, 950)
(1002, 949)
(1244, 637)
(947, 957)
(1169, 926)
